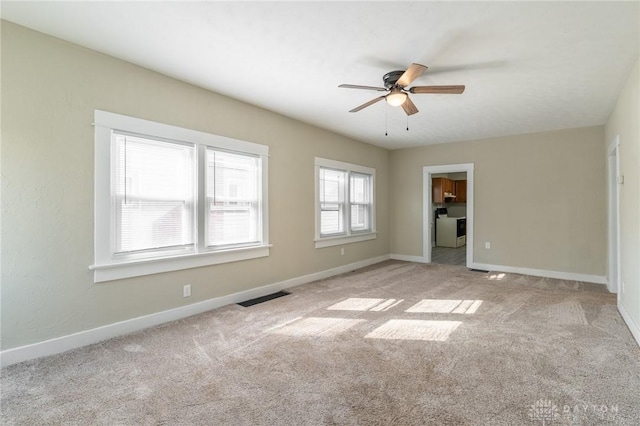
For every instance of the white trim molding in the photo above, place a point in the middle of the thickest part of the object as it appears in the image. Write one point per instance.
(95, 335)
(572, 276)
(613, 216)
(633, 327)
(110, 272)
(338, 241)
(409, 258)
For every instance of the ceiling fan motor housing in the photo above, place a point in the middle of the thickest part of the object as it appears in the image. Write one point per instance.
(391, 78)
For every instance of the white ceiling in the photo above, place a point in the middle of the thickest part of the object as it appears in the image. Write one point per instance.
(528, 67)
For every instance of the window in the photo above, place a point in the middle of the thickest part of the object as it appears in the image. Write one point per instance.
(153, 196)
(345, 209)
(168, 198)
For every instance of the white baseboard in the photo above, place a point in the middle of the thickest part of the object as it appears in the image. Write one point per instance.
(596, 279)
(95, 335)
(633, 327)
(409, 258)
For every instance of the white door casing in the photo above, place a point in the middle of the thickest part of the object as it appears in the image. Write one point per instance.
(613, 277)
(427, 211)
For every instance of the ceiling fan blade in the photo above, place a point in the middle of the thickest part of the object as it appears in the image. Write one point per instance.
(355, 86)
(414, 71)
(371, 102)
(454, 90)
(409, 107)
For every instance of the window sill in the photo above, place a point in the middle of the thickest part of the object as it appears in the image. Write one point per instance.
(336, 241)
(136, 268)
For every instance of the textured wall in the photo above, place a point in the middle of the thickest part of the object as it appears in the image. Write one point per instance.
(624, 121)
(539, 199)
(50, 89)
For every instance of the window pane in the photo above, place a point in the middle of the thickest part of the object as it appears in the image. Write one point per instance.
(359, 217)
(360, 201)
(332, 201)
(153, 194)
(360, 192)
(232, 198)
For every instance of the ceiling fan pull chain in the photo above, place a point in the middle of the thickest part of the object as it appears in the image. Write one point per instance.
(386, 120)
(407, 123)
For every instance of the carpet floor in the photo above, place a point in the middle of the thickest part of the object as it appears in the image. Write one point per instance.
(393, 344)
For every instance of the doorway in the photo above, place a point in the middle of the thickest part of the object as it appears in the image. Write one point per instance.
(429, 214)
(614, 216)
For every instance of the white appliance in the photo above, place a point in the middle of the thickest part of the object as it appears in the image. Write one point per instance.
(451, 231)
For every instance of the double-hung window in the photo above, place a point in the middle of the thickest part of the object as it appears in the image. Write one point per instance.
(168, 198)
(345, 210)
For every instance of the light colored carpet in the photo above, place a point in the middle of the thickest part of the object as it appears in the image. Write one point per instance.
(393, 344)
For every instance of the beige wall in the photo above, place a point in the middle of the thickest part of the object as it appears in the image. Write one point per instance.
(539, 199)
(50, 90)
(624, 122)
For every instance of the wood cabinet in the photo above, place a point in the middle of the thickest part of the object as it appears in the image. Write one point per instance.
(441, 186)
(461, 191)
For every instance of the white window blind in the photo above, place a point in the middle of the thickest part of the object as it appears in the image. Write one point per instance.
(153, 195)
(332, 201)
(233, 213)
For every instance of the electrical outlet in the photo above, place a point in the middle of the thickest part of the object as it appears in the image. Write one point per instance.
(487, 245)
(186, 290)
(342, 251)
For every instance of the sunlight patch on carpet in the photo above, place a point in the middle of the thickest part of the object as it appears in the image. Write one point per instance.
(497, 276)
(364, 304)
(395, 329)
(569, 313)
(316, 327)
(134, 348)
(446, 306)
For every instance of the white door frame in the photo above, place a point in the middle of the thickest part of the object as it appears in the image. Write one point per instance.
(613, 173)
(427, 211)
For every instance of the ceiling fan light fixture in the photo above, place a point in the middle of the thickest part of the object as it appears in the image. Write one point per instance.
(396, 97)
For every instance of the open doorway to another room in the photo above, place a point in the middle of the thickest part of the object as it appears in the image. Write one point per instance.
(449, 206)
(448, 214)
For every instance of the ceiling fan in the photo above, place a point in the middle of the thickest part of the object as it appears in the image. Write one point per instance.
(395, 84)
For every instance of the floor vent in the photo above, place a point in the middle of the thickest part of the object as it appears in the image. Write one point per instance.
(479, 270)
(262, 299)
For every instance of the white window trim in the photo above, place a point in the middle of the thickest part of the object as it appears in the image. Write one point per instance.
(106, 268)
(348, 237)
